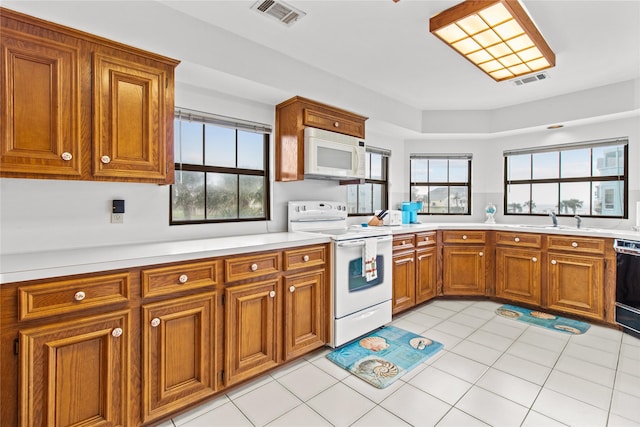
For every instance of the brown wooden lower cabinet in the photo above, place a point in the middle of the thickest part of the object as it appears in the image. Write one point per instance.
(179, 353)
(426, 274)
(75, 373)
(251, 329)
(404, 286)
(576, 284)
(304, 313)
(518, 275)
(464, 270)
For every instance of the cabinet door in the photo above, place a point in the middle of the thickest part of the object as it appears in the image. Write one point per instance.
(464, 270)
(305, 317)
(40, 107)
(130, 132)
(75, 373)
(518, 275)
(251, 325)
(576, 284)
(404, 285)
(179, 353)
(426, 274)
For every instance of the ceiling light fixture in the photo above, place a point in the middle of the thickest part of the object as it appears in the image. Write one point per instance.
(496, 36)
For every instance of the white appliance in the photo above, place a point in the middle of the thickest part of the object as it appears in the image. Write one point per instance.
(358, 305)
(333, 155)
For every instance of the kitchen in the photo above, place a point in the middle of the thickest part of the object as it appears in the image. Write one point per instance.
(53, 215)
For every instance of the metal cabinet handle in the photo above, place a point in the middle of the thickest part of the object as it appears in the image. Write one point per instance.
(574, 244)
(292, 288)
(272, 294)
(183, 278)
(254, 267)
(117, 332)
(464, 237)
(554, 262)
(105, 159)
(79, 296)
(305, 258)
(481, 253)
(534, 259)
(155, 322)
(66, 156)
(517, 239)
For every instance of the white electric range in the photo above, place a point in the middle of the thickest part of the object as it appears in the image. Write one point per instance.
(359, 303)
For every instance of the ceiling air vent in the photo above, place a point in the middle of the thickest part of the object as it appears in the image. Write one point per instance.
(530, 79)
(278, 10)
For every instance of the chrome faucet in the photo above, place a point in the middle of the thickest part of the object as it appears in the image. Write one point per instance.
(554, 218)
(578, 221)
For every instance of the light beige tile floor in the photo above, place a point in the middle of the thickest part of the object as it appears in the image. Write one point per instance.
(492, 371)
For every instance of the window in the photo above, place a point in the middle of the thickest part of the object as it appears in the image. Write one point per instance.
(588, 179)
(365, 199)
(221, 168)
(442, 183)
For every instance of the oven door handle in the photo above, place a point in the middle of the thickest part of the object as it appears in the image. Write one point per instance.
(360, 242)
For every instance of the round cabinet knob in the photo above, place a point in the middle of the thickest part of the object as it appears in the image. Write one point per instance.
(336, 124)
(426, 239)
(481, 253)
(183, 278)
(464, 237)
(116, 332)
(574, 244)
(554, 262)
(272, 294)
(254, 267)
(403, 242)
(66, 156)
(155, 322)
(79, 296)
(305, 258)
(292, 288)
(517, 239)
(105, 159)
(534, 259)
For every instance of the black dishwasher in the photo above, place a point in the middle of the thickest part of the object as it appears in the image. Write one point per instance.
(628, 285)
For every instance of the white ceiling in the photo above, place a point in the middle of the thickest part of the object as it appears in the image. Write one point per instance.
(386, 47)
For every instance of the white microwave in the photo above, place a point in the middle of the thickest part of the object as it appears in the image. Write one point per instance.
(333, 155)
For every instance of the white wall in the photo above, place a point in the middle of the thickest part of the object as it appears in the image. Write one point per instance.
(488, 169)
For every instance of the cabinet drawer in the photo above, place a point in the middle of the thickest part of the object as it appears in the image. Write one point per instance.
(427, 238)
(462, 236)
(333, 122)
(175, 278)
(576, 244)
(525, 240)
(404, 241)
(305, 257)
(68, 296)
(251, 266)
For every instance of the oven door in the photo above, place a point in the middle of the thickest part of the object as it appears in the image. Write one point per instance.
(352, 292)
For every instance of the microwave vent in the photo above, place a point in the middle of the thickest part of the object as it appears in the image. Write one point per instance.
(530, 79)
(279, 10)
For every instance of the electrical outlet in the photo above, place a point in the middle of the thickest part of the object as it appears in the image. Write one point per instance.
(117, 218)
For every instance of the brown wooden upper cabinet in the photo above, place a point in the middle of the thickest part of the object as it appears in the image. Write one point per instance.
(292, 116)
(77, 106)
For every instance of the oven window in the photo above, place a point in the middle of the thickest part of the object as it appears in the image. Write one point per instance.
(357, 281)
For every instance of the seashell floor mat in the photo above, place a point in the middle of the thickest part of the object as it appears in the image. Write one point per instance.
(384, 355)
(542, 319)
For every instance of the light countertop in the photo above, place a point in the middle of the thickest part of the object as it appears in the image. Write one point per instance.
(39, 265)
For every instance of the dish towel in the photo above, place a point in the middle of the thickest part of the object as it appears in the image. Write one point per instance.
(370, 272)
